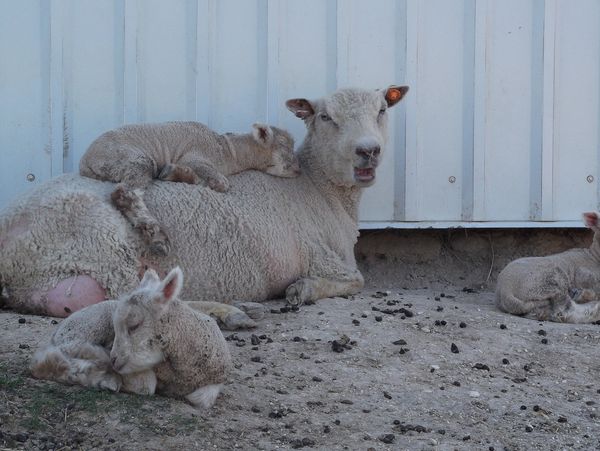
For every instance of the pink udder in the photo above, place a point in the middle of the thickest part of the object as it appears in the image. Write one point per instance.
(70, 295)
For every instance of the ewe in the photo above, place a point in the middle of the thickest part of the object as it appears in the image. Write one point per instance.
(64, 246)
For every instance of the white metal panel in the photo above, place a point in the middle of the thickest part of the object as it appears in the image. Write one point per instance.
(435, 189)
(505, 95)
(577, 108)
(24, 97)
(508, 104)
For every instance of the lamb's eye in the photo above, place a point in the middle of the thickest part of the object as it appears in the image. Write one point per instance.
(381, 112)
(134, 327)
(325, 117)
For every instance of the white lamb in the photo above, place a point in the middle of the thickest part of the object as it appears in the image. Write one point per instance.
(561, 287)
(158, 344)
(187, 152)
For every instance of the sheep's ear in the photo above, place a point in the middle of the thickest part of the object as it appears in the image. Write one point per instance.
(394, 94)
(262, 133)
(150, 278)
(171, 286)
(591, 220)
(302, 108)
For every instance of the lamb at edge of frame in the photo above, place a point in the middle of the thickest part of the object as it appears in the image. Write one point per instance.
(561, 287)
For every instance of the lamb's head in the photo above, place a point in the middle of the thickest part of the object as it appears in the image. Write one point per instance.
(277, 147)
(347, 132)
(138, 344)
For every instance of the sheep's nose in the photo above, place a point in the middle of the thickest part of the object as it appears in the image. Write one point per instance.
(368, 152)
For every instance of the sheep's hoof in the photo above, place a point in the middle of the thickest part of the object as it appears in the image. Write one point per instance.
(293, 294)
(254, 310)
(156, 239)
(234, 321)
(112, 382)
(160, 248)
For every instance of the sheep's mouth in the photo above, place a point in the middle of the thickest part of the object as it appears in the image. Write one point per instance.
(364, 175)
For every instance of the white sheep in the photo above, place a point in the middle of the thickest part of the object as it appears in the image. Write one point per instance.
(158, 344)
(561, 287)
(187, 152)
(267, 238)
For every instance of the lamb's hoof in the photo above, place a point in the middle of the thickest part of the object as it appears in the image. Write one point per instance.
(160, 248)
(235, 321)
(156, 239)
(254, 310)
(220, 184)
(177, 173)
(112, 382)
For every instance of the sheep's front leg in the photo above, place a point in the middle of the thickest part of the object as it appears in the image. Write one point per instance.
(227, 316)
(314, 288)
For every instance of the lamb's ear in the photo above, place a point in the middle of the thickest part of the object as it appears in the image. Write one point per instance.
(170, 287)
(262, 133)
(592, 220)
(394, 94)
(150, 278)
(302, 108)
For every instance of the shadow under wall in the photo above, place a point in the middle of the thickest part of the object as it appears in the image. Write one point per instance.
(461, 258)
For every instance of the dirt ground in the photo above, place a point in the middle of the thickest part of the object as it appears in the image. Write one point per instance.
(421, 362)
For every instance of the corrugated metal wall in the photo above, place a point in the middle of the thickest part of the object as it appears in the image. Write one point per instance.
(501, 123)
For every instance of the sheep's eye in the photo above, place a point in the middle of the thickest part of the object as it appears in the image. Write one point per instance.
(325, 117)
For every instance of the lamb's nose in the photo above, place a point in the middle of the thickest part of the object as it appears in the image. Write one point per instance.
(113, 360)
(368, 152)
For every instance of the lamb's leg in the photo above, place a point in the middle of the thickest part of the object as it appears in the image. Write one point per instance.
(142, 383)
(179, 173)
(227, 316)
(130, 202)
(203, 170)
(205, 397)
(572, 312)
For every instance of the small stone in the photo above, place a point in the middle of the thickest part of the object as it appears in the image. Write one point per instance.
(255, 359)
(399, 342)
(317, 379)
(528, 428)
(53, 322)
(346, 401)
(22, 320)
(356, 322)
(466, 437)
(387, 438)
(439, 309)
(562, 419)
(542, 332)
(462, 325)
(326, 429)
(474, 394)
(536, 408)
(544, 341)
(255, 409)
(254, 340)
(454, 349)
(502, 326)
(21, 437)
(456, 383)
(481, 366)
(378, 318)
(386, 395)
(505, 361)
(23, 346)
(523, 407)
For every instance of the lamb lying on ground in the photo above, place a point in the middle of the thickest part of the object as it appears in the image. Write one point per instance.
(158, 344)
(187, 152)
(559, 287)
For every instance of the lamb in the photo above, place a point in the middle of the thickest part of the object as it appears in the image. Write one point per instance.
(188, 152)
(561, 287)
(158, 344)
(269, 237)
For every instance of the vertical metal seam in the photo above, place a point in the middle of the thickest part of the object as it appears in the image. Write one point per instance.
(468, 138)
(400, 116)
(56, 100)
(548, 111)
(130, 62)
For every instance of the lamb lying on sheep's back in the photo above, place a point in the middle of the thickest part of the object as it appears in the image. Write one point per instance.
(188, 152)
(64, 245)
(562, 287)
(158, 344)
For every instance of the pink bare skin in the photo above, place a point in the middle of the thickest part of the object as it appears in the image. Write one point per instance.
(70, 295)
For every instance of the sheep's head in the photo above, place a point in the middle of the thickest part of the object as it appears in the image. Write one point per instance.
(137, 345)
(347, 131)
(278, 146)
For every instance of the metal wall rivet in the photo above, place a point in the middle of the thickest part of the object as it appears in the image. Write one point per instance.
(590, 178)
(452, 179)
(30, 177)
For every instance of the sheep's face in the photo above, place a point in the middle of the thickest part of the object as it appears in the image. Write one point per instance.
(347, 132)
(138, 344)
(277, 147)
